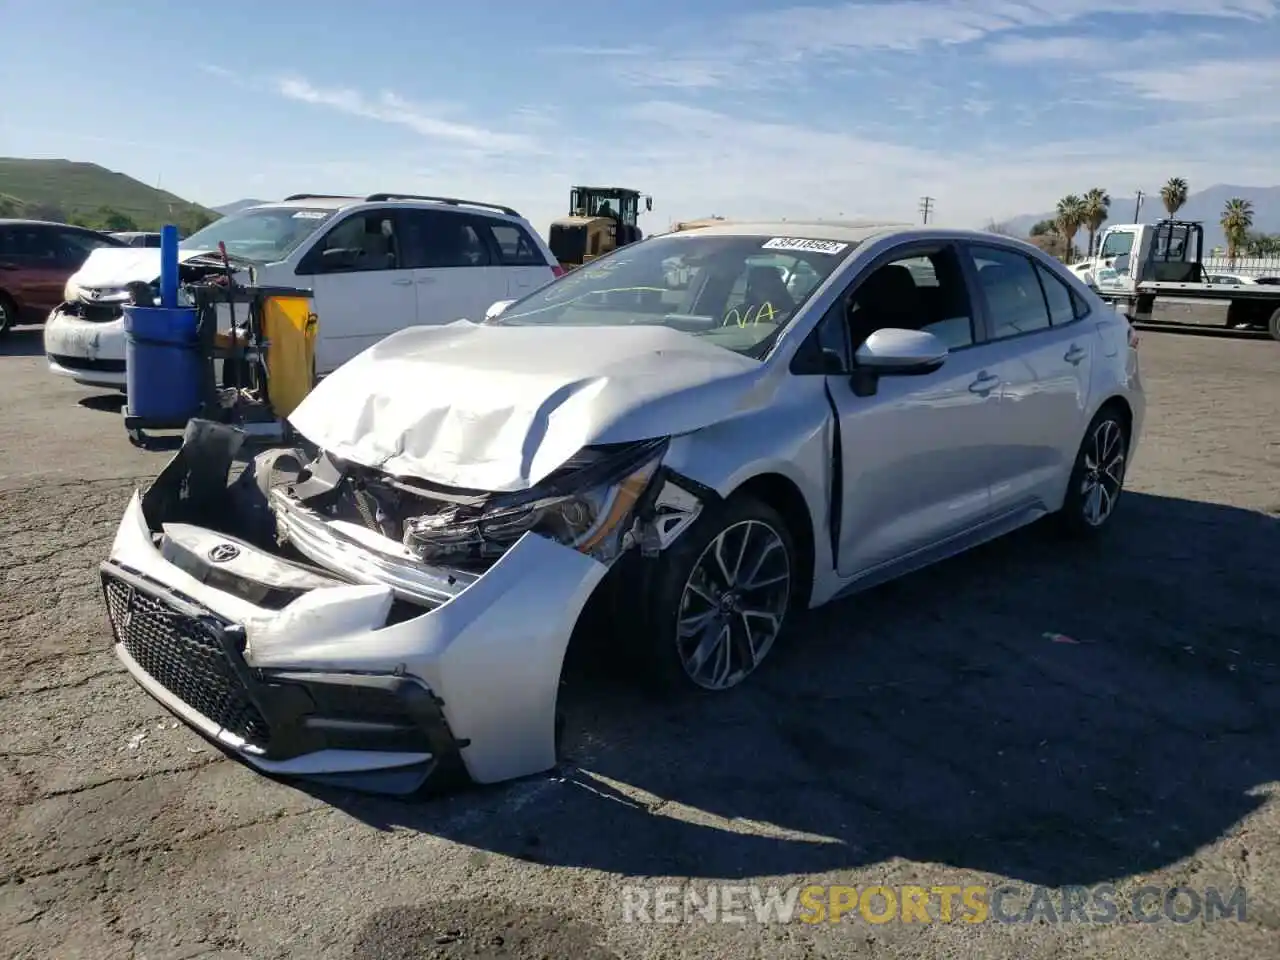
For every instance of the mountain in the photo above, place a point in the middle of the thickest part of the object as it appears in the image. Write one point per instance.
(229, 208)
(1204, 205)
(71, 191)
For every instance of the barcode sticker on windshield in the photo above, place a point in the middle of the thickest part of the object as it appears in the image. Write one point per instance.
(309, 215)
(800, 244)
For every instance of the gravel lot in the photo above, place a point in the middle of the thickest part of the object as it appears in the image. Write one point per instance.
(927, 733)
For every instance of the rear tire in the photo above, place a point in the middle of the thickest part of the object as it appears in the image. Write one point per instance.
(717, 600)
(8, 313)
(1097, 478)
(1273, 325)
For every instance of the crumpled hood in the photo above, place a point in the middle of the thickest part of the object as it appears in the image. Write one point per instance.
(117, 266)
(499, 408)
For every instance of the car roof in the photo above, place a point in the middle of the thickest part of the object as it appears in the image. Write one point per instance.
(849, 231)
(325, 202)
(319, 203)
(18, 222)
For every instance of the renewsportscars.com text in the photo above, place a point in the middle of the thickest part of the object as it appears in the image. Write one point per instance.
(1007, 903)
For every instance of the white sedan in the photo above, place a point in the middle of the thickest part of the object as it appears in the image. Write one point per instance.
(671, 449)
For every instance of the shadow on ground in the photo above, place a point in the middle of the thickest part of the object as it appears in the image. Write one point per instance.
(1052, 713)
(22, 342)
(103, 402)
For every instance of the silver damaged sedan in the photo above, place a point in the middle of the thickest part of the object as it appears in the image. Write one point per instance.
(670, 450)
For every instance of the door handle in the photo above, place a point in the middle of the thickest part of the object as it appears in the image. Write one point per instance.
(1074, 355)
(984, 384)
(402, 281)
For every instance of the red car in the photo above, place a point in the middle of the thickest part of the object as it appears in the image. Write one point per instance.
(36, 260)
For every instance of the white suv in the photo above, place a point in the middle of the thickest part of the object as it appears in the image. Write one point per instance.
(374, 266)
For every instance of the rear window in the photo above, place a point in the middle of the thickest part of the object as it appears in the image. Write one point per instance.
(515, 247)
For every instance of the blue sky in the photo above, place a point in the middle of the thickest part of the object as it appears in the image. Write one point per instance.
(749, 108)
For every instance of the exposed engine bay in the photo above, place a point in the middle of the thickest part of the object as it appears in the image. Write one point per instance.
(98, 304)
(603, 502)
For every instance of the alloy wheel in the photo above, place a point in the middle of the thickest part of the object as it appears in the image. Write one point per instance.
(1104, 463)
(733, 604)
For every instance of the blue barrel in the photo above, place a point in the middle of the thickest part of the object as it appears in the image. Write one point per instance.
(163, 366)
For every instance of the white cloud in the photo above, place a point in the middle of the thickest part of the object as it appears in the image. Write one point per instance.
(420, 118)
(1085, 50)
(1219, 84)
(911, 24)
(758, 48)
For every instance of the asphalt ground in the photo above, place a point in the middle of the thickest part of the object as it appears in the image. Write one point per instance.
(1027, 714)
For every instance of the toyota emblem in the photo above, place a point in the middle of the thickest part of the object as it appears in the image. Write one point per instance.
(224, 553)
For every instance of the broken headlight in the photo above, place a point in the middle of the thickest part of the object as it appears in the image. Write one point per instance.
(587, 505)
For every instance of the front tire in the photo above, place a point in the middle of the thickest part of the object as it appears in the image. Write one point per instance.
(1097, 478)
(718, 599)
(1273, 325)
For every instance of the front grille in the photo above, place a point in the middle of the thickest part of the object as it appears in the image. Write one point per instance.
(84, 363)
(184, 654)
(101, 312)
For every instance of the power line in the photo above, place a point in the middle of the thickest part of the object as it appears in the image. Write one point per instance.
(926, 207)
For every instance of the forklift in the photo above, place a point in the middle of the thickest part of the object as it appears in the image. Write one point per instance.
(600, 220)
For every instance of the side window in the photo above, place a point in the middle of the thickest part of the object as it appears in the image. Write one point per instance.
(77, 246)
(436, 239)
(361, 242)
(35, 245)
(920, 292)
(1014, 298)
(1064, 306)
(1116, 244)
(514, 245)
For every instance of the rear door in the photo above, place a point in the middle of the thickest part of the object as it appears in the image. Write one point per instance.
(524, 264)
(1042, 350)
(361, 288)
(455, 267)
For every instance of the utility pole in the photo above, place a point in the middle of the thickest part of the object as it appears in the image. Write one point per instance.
(1137, 206)
(926, 207)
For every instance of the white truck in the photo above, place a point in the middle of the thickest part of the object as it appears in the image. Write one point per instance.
(1138, 263)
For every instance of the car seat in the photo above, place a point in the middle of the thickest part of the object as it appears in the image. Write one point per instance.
(765, 286)
(887, 298)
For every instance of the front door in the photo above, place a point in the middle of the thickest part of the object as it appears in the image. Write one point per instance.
(1042, 351)
(916, 455)
(361, 289)
(32, 266)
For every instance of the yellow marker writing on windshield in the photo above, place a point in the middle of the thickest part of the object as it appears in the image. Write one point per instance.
(752, 316)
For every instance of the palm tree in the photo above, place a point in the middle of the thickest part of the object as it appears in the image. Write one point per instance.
(1174, 195)
(1097, 205)
(1069, 219)
(1237, 218)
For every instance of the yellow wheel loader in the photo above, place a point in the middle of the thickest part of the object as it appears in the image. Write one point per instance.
(600, 220)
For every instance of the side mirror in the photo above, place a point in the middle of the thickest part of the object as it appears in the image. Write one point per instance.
(893, 352)
(339, 258)
(648, 203)
(497, 309)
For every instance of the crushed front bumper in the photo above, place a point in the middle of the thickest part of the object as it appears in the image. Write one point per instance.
(89, 351)
(395, 674)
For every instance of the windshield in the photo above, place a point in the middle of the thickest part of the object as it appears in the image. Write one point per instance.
(263, 235)
(735, 291)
